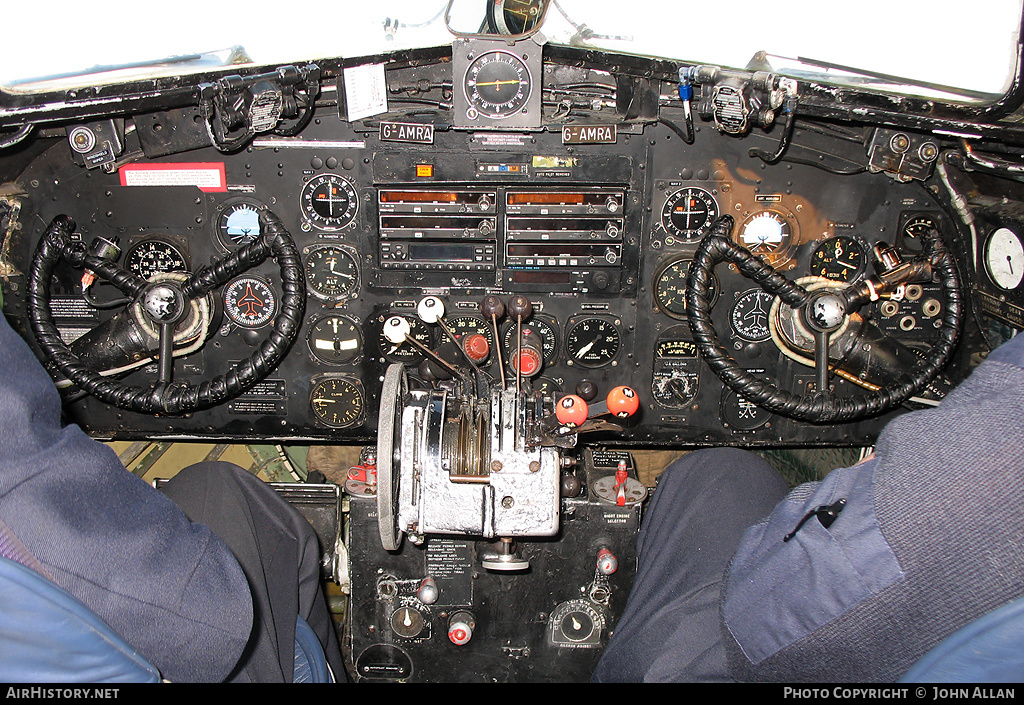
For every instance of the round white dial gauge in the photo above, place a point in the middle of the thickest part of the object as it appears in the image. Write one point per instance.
(1004, 258)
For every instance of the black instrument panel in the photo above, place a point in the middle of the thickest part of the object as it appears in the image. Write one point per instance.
(599, 237)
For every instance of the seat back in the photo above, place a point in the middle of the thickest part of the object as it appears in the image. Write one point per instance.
(48, 635)
(988, 650)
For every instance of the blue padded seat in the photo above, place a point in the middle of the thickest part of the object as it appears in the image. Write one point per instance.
(48, 636)
(988, 650)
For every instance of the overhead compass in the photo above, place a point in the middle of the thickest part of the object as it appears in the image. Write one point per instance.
(498, 84)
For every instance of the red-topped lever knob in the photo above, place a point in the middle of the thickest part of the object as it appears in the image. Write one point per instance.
(623, 401)
(607, 563)
(571, 410)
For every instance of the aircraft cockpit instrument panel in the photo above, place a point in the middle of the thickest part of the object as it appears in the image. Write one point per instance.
(521, 263)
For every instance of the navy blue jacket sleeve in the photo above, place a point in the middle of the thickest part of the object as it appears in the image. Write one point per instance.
(924, 545)
(170, 587)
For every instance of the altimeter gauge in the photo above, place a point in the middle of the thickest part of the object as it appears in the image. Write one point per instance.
(839, 259)
(331, 272)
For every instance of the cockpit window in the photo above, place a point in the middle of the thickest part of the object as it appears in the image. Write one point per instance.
(917, 48)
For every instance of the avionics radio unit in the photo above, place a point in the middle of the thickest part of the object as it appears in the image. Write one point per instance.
(564, 239)
(452, 230)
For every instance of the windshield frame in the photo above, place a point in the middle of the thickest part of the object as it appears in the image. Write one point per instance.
(817, 97)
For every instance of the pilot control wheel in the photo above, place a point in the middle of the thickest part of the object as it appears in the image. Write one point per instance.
(824, 312)
(162, 305)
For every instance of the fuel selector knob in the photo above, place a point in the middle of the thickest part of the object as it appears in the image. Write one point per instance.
(407, 622)
(460, 628)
